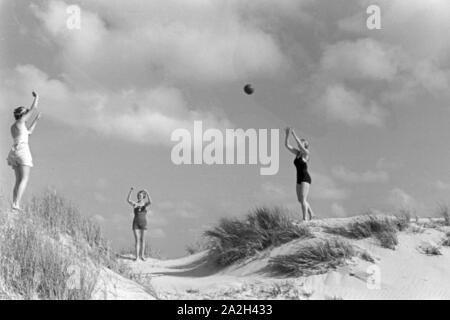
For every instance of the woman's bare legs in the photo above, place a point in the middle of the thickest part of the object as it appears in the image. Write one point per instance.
(137, 242)
(142, 245)
(22, 176)
(302, 196)
(16, 185)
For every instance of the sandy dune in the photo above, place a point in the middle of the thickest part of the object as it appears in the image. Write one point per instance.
(405, 273)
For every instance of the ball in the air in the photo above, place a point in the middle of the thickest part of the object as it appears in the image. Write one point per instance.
(248, 89)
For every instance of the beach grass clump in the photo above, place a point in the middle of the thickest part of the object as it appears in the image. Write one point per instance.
(235, 239)
(383, 228)
(313, 256)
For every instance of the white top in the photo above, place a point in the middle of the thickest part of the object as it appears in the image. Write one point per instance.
(20, 133)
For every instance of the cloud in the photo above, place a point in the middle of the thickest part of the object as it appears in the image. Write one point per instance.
(325, 188)
(347, 106)
(338, 210)
(401, 199)
(157, 233)
(99, 218)
(100, 198)
(275, 191)
(441, 185)
(195, 41)
(362, 74)
(147, 116)
(181, 209)
(360, 59)
(349, 176)
(386, 164)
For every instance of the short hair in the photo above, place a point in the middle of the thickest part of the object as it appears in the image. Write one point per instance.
(19, 112)
(305, 143)
(141, 192)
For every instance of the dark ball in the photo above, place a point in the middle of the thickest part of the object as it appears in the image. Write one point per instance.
(248, 89)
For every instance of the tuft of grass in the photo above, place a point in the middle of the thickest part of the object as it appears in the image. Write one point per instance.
(403, 219)
(51, 251)
(234, 239)
(382, 228)
(388, 239)
(446, 240)
(443, 211)
(195, 247)
(37, 268)
(313, 256)
(57, 216)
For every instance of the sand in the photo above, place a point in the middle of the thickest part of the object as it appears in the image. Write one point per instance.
(407, 272)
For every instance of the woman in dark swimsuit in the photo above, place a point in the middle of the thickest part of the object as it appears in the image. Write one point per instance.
(140, 220)
(303, 177)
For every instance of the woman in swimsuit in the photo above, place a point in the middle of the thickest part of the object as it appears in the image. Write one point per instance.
(19, 158)
(303, 177)
(140, 220)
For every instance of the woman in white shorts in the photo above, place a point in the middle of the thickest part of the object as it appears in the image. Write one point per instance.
(19, 158)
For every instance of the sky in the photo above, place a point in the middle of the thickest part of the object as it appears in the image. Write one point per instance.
(373, 103)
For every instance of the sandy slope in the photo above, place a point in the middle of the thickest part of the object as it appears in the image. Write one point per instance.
(406, 273)
(109, 285)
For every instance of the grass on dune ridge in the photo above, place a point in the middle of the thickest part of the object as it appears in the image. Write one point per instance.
(313, 256)
(235, 239)
(50, 251)
(383, 228)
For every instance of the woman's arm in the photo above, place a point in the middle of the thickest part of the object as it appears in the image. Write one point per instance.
(286, 142)
(129, 197)
(300, 144)
(27, 115)
(149, 199)
(33, 124)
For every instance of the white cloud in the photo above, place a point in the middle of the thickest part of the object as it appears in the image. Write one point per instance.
(342, 104)
(386, 164)
(441, 185)
(100, 198)
(99, 218)
(157, 233)
(349, 176)
(181, 209)
(338, 210)
(204, 41)
(407, 59)
(401, 199)
(325, 188)
(360, 59)
(147, 116)
(275, 191)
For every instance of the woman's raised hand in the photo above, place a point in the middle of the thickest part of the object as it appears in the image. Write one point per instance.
(34, 94)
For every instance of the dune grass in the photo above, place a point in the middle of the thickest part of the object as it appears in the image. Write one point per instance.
(313, 256)
(35, 267)
(383, 228)
(59, 217)
(443, 211)
(51, 251)
(446, 240)
(388, 239)
(196, 247)
(235, 239)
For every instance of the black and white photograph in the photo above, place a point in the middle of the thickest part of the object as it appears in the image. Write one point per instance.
(231, 150)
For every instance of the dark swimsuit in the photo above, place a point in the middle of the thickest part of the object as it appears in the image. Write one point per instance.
(302, 170)
(140, 221)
